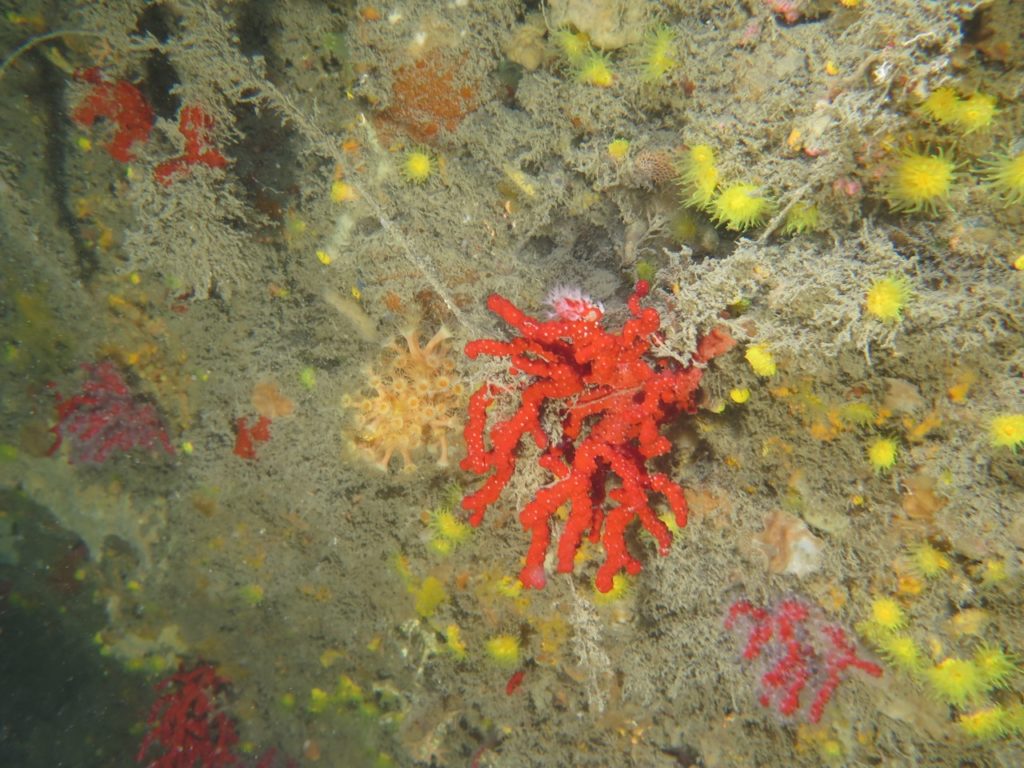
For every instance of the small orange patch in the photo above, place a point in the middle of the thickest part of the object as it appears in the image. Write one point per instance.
(920, 500)
(269, 401)
(393, 302)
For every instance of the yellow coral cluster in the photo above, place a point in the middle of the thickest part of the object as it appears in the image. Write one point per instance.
(415, 403)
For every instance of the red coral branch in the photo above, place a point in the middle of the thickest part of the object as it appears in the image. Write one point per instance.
(197, 128)
(246, 437)
(798, 651)
(105, 417)
(121, 103)
(184, 727)
(612, 398)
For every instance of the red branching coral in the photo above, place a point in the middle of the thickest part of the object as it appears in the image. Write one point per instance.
(611, 398)
(246, 437)
(105, 417)
(184, 727)
(196, 126)
(121, 103)
(797, 651)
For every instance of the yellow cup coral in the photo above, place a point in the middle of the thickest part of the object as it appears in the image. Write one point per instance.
(698, 176)
(658, 55)
(573, 45)
(504, 650)
(429, 596)
(887, 615)
(740, 207)
(887, 298)
(1007, 431)
(956, 681)
(882, 453)
(919, 182)
(761, 360)
(902, 652)
(1005, 176)
(927, 561)
(449, 527)
(941, 105)
(986, 723)
(995, 665)
(595, 69)
(801, 218)
(618, 149)
(945, 106)
(975, 112)
(417, 166)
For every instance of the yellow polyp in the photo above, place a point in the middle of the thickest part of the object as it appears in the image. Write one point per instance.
(928, 561)
(1007, 431)
(618, 149)
(251, 594)
(319, 701)
(348, 690)
(739, 395)
(761, 360)
(453, 637)
(342, 192)
(595, 70)
(887, 615)
(956, 681)
(986, 723)
(429, 596)
(908, 584)
(882, 454)
(887, 298)
(508, 586)
(323, 257)
(417, 167)
(330, 656)
(503, 650)
(993, 572)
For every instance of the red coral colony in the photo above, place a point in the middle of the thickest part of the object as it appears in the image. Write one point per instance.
(797, 651)
(610, 397)
(105, 417)
(197, 127)
(184, 728)
(121, 103)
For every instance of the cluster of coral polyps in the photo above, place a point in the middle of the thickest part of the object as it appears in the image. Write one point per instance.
(611, 397)
(415, 403)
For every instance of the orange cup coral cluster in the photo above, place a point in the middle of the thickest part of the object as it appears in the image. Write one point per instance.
(416, 401)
